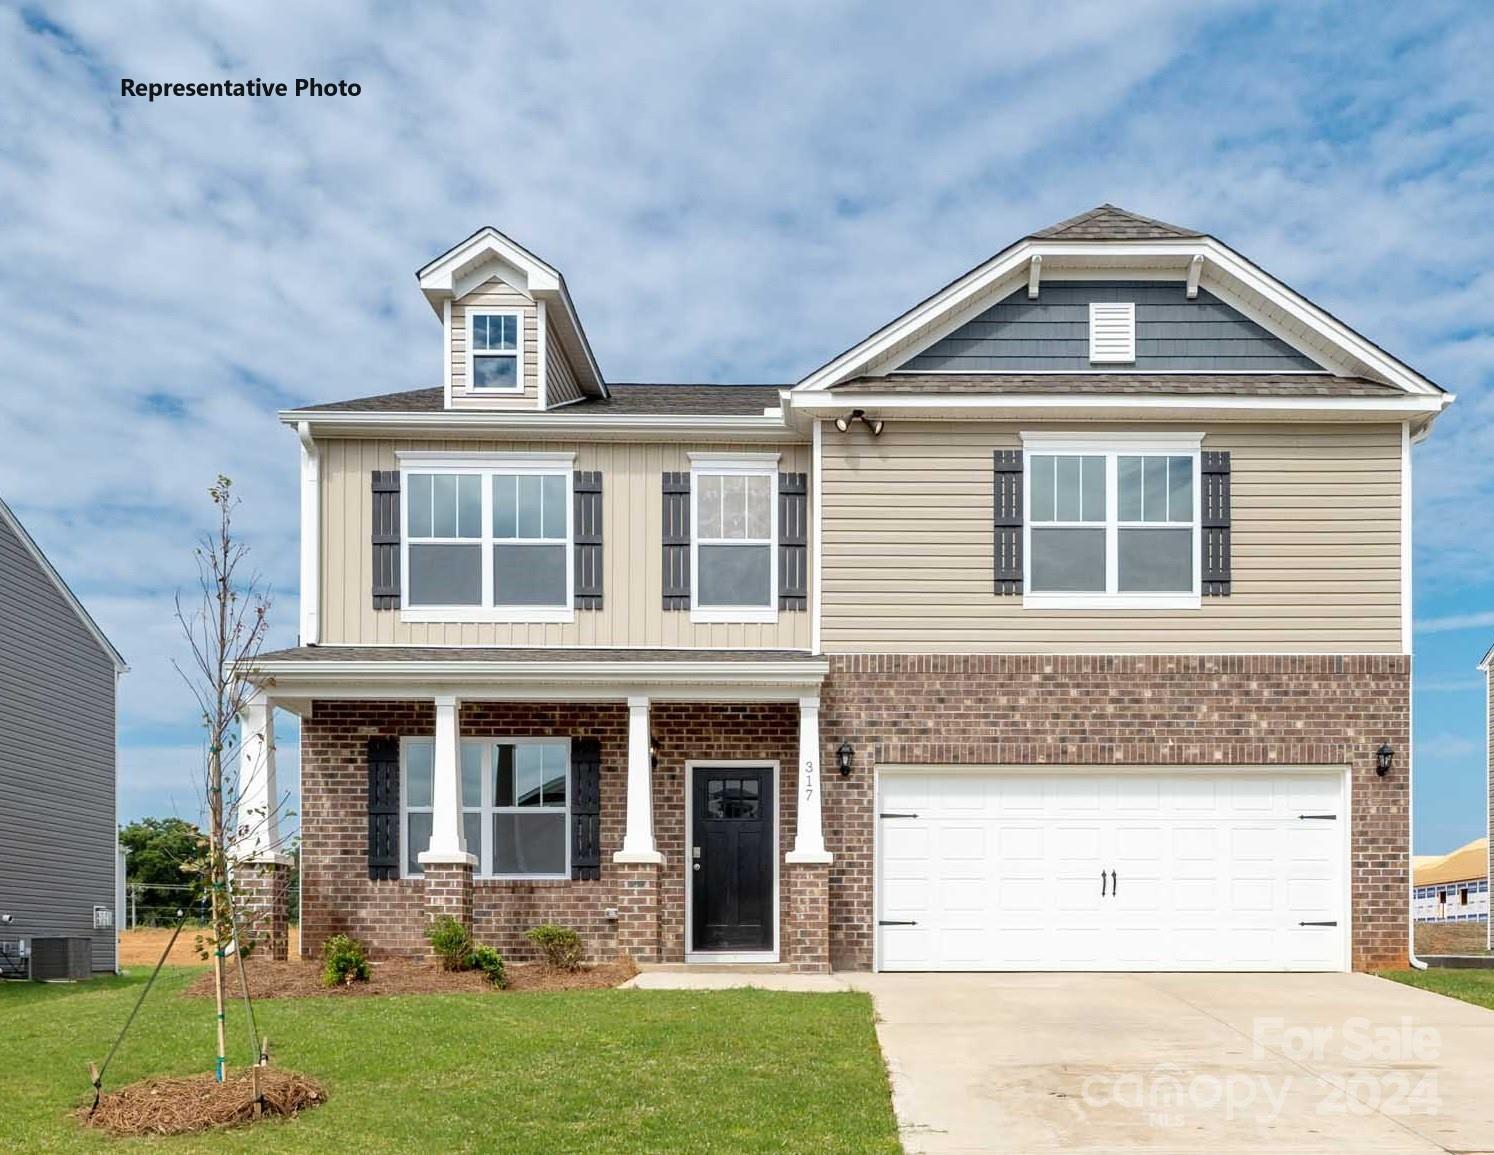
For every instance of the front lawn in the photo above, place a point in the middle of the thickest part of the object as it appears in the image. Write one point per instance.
(1472, 986)
(573, 1072)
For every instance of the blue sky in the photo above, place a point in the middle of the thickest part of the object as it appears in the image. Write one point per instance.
(734, 192)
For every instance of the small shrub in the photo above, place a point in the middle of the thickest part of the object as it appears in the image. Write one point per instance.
(490, 962)
(343, 961)
(560, 945)
(452, 943)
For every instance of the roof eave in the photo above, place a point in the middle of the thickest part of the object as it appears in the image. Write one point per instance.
(770, 425)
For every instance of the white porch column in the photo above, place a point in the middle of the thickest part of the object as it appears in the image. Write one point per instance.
(259, 799)
(446, 795)
(809, 835)
(638, 838)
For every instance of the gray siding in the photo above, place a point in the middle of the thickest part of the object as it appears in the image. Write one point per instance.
(57, 754)
(1052, 332)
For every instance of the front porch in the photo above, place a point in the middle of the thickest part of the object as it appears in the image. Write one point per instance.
(664, 804)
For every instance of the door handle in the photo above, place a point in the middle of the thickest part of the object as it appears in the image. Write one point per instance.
(1102, 884)
(1114, 889)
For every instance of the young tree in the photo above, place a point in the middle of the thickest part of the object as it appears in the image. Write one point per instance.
(224, 629)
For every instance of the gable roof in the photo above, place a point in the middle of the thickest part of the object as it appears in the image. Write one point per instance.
(1108, 237)
(10, 519)
(1108, 222)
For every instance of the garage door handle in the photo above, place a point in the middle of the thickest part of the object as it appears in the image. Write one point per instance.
(1333, 923)
(1114, 886)
(895, 922)
(1102, 884)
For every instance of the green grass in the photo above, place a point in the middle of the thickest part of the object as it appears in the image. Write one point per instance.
(585, 1071)
(1472, 986)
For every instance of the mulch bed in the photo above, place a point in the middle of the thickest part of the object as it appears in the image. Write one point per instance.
(295, 979)
(200, 1102)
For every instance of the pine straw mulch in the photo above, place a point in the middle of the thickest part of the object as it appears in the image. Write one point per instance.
(296, 979)
(199, 1102)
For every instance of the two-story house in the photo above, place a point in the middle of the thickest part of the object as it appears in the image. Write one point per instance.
(1062, 623)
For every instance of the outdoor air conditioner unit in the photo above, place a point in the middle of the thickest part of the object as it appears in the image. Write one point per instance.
(61, 959)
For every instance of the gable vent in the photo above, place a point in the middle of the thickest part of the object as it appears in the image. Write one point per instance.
(1112, 332)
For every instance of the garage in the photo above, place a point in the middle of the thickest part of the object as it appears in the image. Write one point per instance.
(1112, 869)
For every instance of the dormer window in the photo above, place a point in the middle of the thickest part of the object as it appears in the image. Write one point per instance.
(493, 350)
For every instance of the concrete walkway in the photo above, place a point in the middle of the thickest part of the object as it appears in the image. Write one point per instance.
(1178, 1064)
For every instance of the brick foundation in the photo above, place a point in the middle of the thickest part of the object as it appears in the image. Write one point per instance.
(1097, 710)
(262, 905)
(448, 891)
(638, 910)
(806, 931)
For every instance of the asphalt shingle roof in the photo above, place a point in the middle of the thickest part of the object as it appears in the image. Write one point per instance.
(528, 654)
(626, 399)
(1109, 223)
(1180, 384)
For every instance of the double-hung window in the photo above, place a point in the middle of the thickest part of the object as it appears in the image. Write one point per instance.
(494, 351)
(734, 518)
(1112, 522)
(515, 805)
(487, 538)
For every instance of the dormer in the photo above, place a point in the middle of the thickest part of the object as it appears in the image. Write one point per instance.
(511, 337)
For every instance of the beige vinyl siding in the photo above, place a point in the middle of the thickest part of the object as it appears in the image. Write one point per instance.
(560, 382)
(632, 500)
(908, 549)
(494, 295)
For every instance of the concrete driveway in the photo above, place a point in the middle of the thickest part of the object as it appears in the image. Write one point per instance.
(1185, 1063)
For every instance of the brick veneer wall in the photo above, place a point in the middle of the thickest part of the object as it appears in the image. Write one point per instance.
(1102, 710)
(339, 897)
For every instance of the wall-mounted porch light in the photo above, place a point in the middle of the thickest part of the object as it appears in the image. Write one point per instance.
(653, 753)
(874, 424)
(845, 757)
(1384, 759)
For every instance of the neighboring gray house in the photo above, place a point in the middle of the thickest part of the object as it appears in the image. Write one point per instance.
(59, 871)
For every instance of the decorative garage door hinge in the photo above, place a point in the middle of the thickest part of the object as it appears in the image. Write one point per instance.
(897, 816)
(1332, 923)
(1319, 817)
(895, 922)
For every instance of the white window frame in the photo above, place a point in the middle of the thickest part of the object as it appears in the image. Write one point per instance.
(486, 465)
(485, 807)
(517, 354)
(1112, 447)
(734, 465)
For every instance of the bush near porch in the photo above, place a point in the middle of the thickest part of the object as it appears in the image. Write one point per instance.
(569, 1072)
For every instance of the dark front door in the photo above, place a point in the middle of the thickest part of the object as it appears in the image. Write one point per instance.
(731, 859)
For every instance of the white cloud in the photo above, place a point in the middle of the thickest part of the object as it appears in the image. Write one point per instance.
(1442, 625)
(733, 192)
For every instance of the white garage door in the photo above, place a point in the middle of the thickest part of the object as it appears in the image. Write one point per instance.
(1119, 870)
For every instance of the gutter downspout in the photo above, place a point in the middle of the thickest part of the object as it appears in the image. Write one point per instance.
(311, 536)
(1407, 440)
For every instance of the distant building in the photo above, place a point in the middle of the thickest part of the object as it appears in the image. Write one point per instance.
(1452, 887)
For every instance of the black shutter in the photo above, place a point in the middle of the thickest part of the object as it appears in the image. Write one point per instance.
(383, 808)
(793, 541)
(588, 528)
(1008, 521)
(386, 539)
(586, 808)
(1215, 469)
(676, 541)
